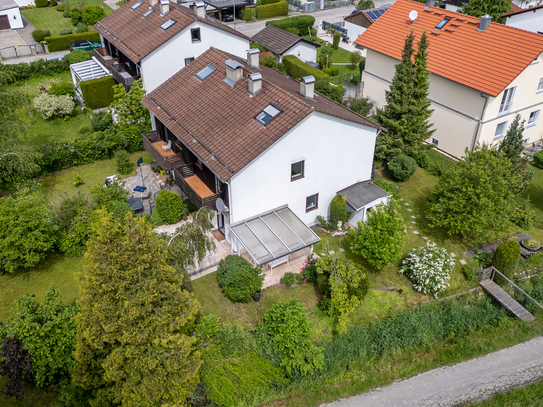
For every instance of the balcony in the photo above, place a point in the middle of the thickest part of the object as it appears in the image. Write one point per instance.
(121, 75)
(194, 188)
(102, 55)
(167, 159)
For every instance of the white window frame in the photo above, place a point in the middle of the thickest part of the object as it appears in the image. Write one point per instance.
(539, 86)
(507, 100)
(499, 136)
(536, 116)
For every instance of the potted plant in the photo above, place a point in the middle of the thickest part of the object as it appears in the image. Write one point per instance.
(531, 244)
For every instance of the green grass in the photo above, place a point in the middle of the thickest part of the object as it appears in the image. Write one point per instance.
(343, 70)
(531, 395)
(99, 3)
(341, 55)
(533, 198)
(47, 18)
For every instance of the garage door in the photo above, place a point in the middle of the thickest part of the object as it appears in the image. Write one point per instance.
(4, 23)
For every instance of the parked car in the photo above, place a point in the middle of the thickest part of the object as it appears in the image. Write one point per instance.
(85, 45)
(225, 16)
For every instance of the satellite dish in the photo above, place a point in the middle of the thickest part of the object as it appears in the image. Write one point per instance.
(413, 15)
(219, 204)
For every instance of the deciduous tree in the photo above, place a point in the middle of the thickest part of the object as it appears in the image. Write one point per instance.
(494, 8)
(127, 107)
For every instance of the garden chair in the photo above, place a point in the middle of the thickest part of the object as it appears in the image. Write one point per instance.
(167, 147)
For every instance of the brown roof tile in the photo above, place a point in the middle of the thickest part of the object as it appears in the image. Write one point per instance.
(216, 121)
(278, 40)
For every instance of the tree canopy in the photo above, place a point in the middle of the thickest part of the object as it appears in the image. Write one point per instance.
(127, 106)
(494, 8)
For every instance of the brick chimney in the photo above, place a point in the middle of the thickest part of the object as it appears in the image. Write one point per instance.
(234, 72)
(199, 9)
(164, 7)
(485, 22)
(255, 83)
(253, 58)
(307, 87)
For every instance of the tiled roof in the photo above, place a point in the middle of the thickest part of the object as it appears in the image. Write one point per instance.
(211, 117)
(371, 14)
(515, 7)
(518, 10)
(278, 40)
(137, 36)
(487, 61)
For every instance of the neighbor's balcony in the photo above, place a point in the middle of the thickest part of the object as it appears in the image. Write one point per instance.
(102, 55)
(121, 75)
(194, 187)
(167, 159)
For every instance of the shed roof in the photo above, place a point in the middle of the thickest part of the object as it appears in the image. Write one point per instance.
(278, 40)
(362, 193)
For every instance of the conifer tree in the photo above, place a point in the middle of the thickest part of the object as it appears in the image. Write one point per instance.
(131, 348)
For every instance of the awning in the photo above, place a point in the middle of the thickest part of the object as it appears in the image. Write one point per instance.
(273, 235)
(88, 70)
(221, 5)
(362, 193)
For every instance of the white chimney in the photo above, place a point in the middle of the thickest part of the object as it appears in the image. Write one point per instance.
(253, 58)
(485, 22)
(164, 7)
(307, 87)
(153, 2)
(234, 72)
(199, 9)
(255, 83)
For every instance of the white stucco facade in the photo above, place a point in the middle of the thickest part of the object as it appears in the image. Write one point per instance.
(304, 51)
(353, 30)
(529, 20)
(14, 17)
(169, 58)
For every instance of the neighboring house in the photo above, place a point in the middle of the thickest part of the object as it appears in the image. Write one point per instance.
(481, 73)
(523, 4)
(530, 19)
(357, 23)
(154, 40)
(10, 16)
(281, 43)
(273, 150)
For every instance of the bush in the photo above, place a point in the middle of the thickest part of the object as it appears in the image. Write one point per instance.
(93, 14)
(124, 166)
(402, 167)
(248, 13)
(42, 3)
(190, 206)
(66, 12)
(76, 15)
(61, 7)
(436, 169)
(238, 279)
(53, 3)
(422, 159)
(327, 71)
(39, 35)
(293, 31)
(429, 268)
(105, 196)
(208, 326)
(49, 106)
(61, 89)
(77, 179)
(13, 73)
(506, 258)
(338, 209)
(298, 69)
(538, 159)
(266, 2)
(269, 61)
(98, 93)
(301, 23)
(272, 10)
(62, 42)
(288, 279)
(101, 121)
(78, 55)
(333, 92)
(66, 31)
(336, 38)
(73, 242)
(392, 189)
(81, 28)
(334, 70)
(470, 273)
(523, 217)
(84, 129)
(482, 259)
(170, 206)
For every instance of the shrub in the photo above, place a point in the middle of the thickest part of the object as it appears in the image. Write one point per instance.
(52, 3)
(84, 129)
(13, 73)
(101, 121)
(76, 15)
(77, 179)
(506, 258)
(301, 23)
(523, 217)
(104, 196)
(422, 159)
(62, 88)
(470, 273)
(538, 159)
(170, 206)
(269, 61)
(78, 55)
(62, 42)
(336, 38)
(327, 71)
(49, 106)
(266, 2)
(238, 279)
(334, 70)
(333, 92)
(81, 28)
(392, 189)
(287, 279)
(39, 35)
(93, 14)
(482, 259)
(66, 31)
(436, 169)
(98, 93)
(66, 12)
(248, 14)
(531, 244)
(298, 69)
(190, 206)
(402, 167)
(61, 7)
(208, 326)
(326, 59)
(272, 10)
(124, 166)
(42, 3)
(309, 270)
(338, 209)
(293, 30)
(429, 268)
(73, 242)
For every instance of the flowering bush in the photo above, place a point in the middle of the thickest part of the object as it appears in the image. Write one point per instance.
(309, 270)
(429, 268)
(49, 106)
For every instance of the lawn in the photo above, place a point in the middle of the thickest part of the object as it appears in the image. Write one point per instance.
(47, 18)
(531, 395)
(99, 3)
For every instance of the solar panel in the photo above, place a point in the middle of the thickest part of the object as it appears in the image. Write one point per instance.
(149, 12)
(135, 6)
(167, 24)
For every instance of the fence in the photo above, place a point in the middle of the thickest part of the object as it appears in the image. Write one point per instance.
(351, 84)
(326, 25)
(337, 3)
(20, 51)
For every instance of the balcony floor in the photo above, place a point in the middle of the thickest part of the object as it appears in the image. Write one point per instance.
(198, 186)
(165, 153)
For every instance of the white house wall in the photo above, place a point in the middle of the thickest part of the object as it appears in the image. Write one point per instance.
(336, 154)
(303, 51)
(15, 19)
(529, 20)
(353, 30)
(168, 59)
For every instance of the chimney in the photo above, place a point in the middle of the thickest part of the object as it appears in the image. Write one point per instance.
(430, 3)
(164, 7)
(153, 2)
(307, 87)
(199, 9)
(234, 72)
(255, 83)
(485, 22)
(253, 58)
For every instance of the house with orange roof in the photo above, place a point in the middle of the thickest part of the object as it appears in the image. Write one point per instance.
(481, 73)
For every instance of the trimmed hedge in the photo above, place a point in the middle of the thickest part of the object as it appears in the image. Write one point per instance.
(506, 258)
(39, 35)
(66, 31)
(272, 10)
(266, 2)
(98, 93)
(62, 42)
(298, 69)
(301, 23)
(248, 14)
(538, 159)
(42, 3)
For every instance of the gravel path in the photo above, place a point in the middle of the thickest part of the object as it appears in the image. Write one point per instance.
(465, 382)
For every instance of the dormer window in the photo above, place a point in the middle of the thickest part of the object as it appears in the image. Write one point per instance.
(442, 23)
(204, 73)
(268, 114)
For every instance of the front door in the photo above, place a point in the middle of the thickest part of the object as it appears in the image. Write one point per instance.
(220, 222)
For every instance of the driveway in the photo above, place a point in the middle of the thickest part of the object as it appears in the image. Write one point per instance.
(20, 38)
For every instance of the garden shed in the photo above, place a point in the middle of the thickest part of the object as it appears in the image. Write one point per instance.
(362, 197)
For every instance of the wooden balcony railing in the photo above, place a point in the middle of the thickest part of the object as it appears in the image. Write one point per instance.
(168, 160)
(102, 55)
(121, 75)
(194, 188)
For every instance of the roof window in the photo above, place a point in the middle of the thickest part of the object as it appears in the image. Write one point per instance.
(167, 24)
(204, 73)
(442, 23)
(147, 13)
(268, 114)
(135, 6)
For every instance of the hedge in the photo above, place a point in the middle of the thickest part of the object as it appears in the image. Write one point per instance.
(21, 72)
(39, 35)
(63, 42)
(248, 14)
(538, 159)
(266, 2)
(298, 69)
(98, 93)
(301, 23)
(506, 259)
(272, 10)
(338, 210)
(42, 3)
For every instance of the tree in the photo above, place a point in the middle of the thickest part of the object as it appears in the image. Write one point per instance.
(365, 5)
(494, 8)
(380, 239)
(356, 58)
(336, 38)
(338, 210)
(16, 365)
(131, 347)
(421, 89)
(27, 232)
(127, 106)
(325, 56)
(93, 14)
(474, 197)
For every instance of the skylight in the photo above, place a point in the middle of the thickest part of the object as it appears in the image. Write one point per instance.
(147, 14)
(442, 23)
(135, 6)
(204, 73)
(267, 114)
(167, 24)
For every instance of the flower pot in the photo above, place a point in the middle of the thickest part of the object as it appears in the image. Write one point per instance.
(532, 249)
(256, 297)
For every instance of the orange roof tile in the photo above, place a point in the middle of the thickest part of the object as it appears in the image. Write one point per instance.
(487, 61)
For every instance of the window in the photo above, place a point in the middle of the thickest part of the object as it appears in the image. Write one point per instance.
(532, 119)
(167, 24)
(188, 60)
(148, 13)
(442, 23)
(507, 100)
(500, 130)
(540, 86)
(135, 6)
(204, 73)
(267, 114)
(195, 34)
(311, 202)
(297, 171)
(435, 141)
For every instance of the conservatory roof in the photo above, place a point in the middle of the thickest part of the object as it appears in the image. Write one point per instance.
(88, 70)
(273, 235)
